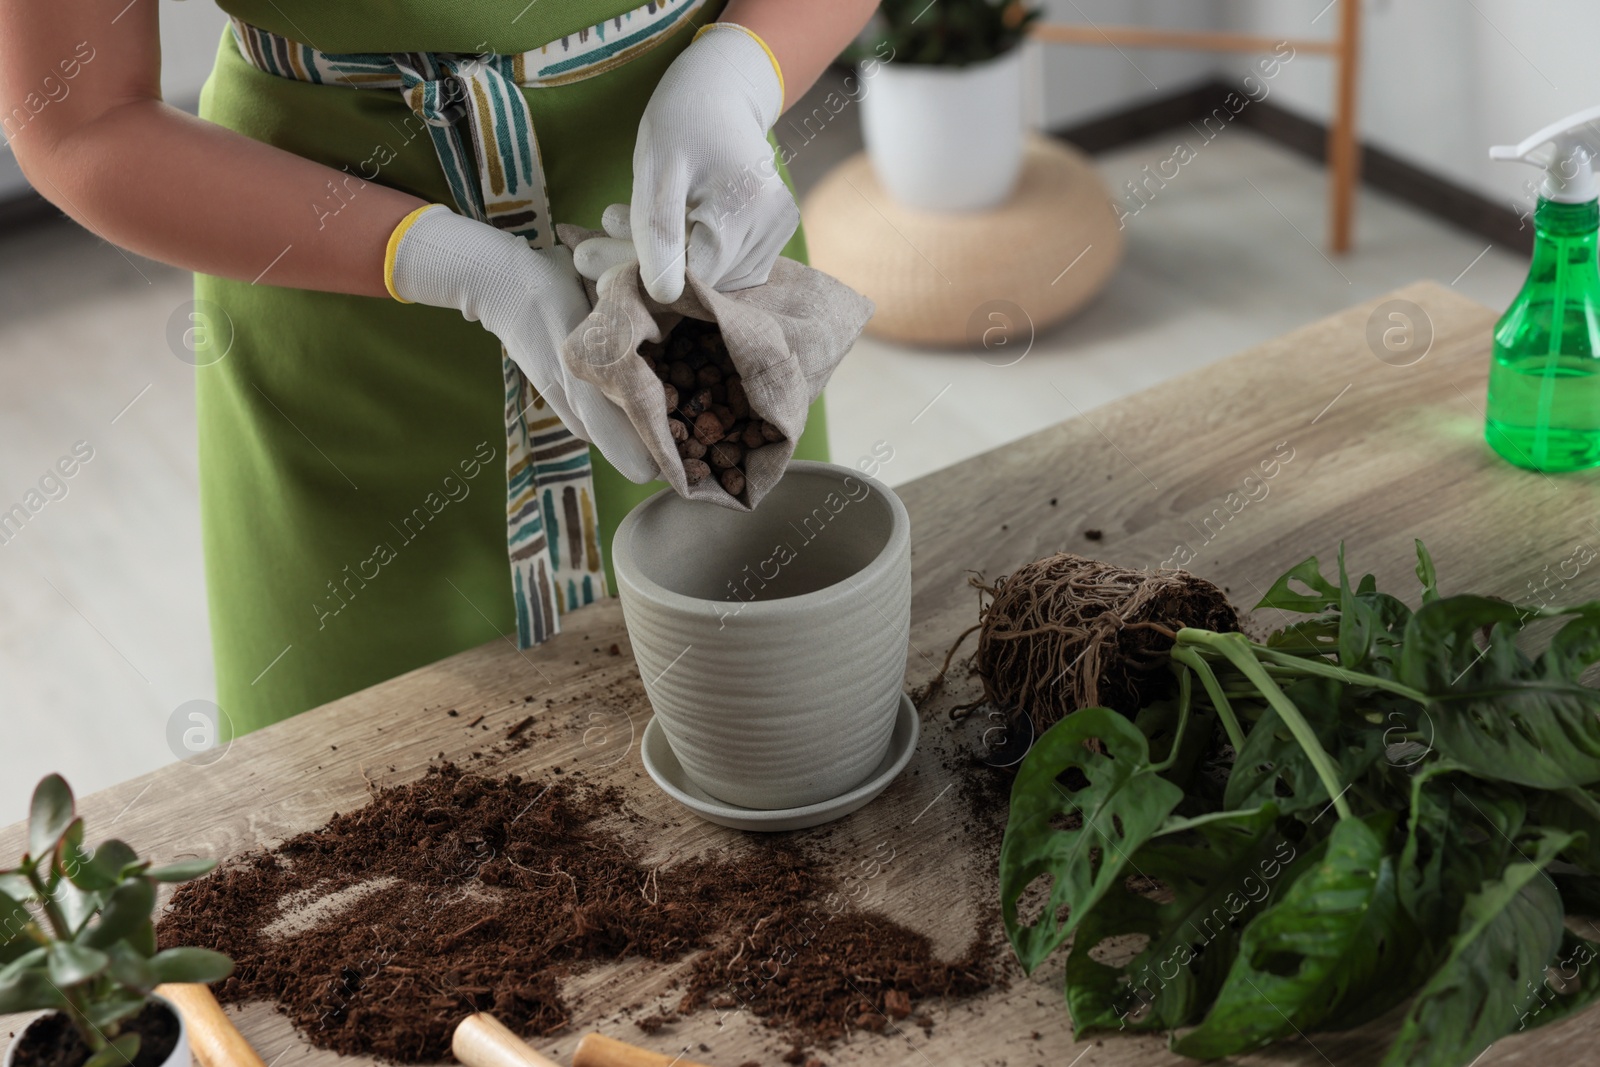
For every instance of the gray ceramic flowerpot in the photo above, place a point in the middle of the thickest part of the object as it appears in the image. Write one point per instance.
(772, 643)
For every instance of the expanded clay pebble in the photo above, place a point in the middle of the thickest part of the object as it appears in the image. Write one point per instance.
(692, 408)
(708, 428)
(708, 411)
(725, 454)
(736, 399)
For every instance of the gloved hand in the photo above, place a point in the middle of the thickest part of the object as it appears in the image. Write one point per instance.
(702, 166)
(530, 299)
(598, 257)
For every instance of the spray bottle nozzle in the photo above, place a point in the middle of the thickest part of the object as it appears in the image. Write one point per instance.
(1569, 170)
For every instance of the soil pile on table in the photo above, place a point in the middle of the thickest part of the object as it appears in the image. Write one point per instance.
(842, 971)
(458, 893)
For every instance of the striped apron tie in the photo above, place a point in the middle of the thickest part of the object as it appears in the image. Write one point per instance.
(484, 137)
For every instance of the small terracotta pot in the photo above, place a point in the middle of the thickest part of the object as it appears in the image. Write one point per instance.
(772, 643)
(178, 1057)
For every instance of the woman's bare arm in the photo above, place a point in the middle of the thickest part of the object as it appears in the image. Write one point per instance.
(805, 37)
(166, 185)
(172, 187)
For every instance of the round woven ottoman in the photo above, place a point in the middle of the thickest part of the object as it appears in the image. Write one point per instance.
(948, 279)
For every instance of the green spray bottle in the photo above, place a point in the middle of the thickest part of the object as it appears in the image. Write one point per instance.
(1544, 383)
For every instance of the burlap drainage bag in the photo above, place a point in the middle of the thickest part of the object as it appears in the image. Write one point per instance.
(785, 339)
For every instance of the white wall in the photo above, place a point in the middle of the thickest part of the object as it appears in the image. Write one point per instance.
(190, 30)
(1442, 80)
(1074, 83)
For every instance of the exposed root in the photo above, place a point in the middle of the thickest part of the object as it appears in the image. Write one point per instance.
(1068, 632)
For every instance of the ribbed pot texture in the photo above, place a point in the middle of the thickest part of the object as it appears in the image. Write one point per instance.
(772, 643)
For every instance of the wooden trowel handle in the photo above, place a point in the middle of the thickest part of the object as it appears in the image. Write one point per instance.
(597, 1050)
(213, 1037)
(481, 1040)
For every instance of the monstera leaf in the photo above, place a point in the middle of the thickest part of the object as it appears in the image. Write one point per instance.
(1510, 931)
(1494, 711)
(1077, 813)
(1336, 940)
(1195, 886)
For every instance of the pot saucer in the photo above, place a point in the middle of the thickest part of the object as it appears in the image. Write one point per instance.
(664, 768)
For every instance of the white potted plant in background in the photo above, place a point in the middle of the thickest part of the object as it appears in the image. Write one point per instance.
(77, 940)
(942, 119)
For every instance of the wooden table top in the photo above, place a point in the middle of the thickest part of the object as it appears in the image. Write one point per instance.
(1368, 451)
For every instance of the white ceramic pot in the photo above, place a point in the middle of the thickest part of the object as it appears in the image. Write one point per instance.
(946, 138)
(178, 1057)
(772, 643)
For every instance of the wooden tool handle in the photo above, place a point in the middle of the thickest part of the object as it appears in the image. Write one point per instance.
(216, 1042)
(481, 1040)
(598, 1050)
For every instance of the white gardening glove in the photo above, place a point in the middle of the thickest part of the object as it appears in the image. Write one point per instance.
(531, 299)
(599, 258)
(703, 172)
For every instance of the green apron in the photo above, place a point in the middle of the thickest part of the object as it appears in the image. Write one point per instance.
(353, 450)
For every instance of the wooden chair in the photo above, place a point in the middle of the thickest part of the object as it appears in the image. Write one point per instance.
(1344, 149)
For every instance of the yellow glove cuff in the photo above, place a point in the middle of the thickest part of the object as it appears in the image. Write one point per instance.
(756, 37)
(394, 246)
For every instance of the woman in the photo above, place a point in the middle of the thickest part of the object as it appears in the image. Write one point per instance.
(355, 407)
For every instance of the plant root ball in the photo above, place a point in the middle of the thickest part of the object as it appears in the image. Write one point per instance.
(1068, 632)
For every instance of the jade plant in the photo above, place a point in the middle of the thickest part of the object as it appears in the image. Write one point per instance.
(76, 929)
(950, 33)
(1377, 807)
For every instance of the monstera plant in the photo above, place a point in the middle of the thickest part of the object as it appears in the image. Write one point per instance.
(77, 939)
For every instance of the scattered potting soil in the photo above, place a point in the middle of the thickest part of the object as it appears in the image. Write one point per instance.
(819, 975)
(52, 1041)
(458, 893)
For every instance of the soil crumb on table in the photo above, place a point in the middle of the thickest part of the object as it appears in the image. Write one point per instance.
(377, 933)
